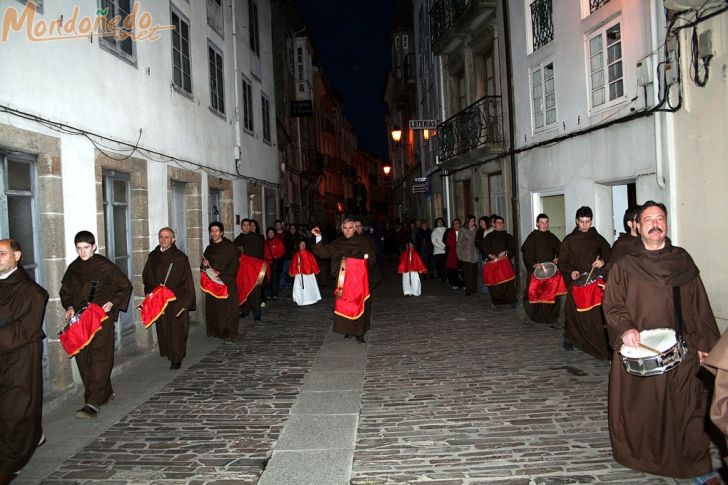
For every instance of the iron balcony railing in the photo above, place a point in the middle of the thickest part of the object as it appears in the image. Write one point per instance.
(443, 15)
(478, 125)
(595, 5)
(542, 25)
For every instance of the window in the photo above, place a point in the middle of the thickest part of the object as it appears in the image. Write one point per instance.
(213, 205)
(120, 44)
(397, 41)
(181, 76)
(18, 210)
(38, 5)
(265, 108)
(179, 214)
(543, 96)
(606, 82)
(253, 22)
(215, 17)
(542, 25)
(247, 105)
(217, 81)
(405, 43)
(595, 5)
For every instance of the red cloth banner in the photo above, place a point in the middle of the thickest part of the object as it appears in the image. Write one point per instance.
(498, 271)
(303, 262)
(546, 291)
(219, 291)
(410, 260)
(251, 272)
(154, 305)
(352, 288)
(82, 329)
(588, 296)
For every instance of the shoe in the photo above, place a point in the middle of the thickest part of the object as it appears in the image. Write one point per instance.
(455, 287)
(262, 304)
(557, 325)
(229, 340)
(568, 346)
(42, 440)
(111, 398)
(360, 339)
(347, 336)
(256, 315)
(87, 412)
(243, 314)
(175, 365)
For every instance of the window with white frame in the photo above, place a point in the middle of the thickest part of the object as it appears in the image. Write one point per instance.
(253, 30)
(543, 96)
(181, 75)
(217, 79)
(265, 109)
(215, 18)
(247, 106)
(605, 66)
(120, 43)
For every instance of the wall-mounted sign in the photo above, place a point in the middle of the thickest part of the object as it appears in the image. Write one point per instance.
(302, 109)
(422, 124)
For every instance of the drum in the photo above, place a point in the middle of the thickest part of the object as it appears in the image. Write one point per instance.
(545, 271)
(154, 305)
(211, 284)
(546, 290)
(81, 329)
(498, 271)
(642, 362)
(587, 294)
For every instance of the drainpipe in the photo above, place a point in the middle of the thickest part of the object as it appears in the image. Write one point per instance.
(236, 94)
(446, 178)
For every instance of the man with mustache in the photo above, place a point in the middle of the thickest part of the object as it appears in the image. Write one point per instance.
(656, 423)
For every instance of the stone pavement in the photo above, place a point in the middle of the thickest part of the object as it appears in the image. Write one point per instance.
(445, 391)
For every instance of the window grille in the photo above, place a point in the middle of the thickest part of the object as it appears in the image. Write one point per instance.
(542, 25)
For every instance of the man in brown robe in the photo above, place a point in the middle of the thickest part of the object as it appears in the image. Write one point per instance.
(252, 244)
(221, 315)
(112, 292)
(717, 363)
(540, 246)
(629, 236)
(174, 324)
(349, 244)
(22, 307)
(657, 423)
(496, 245)
(581, 251)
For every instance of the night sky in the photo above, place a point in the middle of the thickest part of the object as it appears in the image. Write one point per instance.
(352, 39)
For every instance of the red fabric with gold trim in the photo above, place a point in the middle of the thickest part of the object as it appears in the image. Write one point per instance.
(219, 291)
(588, 296)
(251, 272)
(303, 262)
(86, 324)
(498, 271)
(154, 304)
(352, 288)
(546, 291)
(410, 260)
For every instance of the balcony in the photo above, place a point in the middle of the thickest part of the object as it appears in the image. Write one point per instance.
(450, 19)
(477, 126)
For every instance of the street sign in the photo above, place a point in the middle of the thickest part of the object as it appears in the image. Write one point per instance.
(301, 109)
(422, 124)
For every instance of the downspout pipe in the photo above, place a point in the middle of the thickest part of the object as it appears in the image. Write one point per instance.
(237, 150)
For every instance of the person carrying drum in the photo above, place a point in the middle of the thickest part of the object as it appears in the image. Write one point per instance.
(22, 307)
(657, 420)
(169, 266)
(541, 252)
(221, 310)
(499, 247)
(91, 278)
(581, 256)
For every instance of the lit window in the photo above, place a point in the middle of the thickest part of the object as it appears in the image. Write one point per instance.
(605, 71)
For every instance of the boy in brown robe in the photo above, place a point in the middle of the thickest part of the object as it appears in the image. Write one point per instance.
(112, 292)
(581, 251)
(221, 315)
(497, 244)
(22, 306)
(656, 423)
(540, 246)
(173, 326)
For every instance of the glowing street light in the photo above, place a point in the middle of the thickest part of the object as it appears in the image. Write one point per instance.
(387, 168)
(396, 134)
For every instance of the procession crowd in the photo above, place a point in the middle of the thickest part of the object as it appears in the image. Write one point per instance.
(639, 303)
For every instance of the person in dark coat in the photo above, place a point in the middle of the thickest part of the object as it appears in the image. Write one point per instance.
(581, 252)
(173, 325)
(657, 423)
(221, 315)
(111, 291)
(423, 244)
(22, 307)
(452, 263)
(349, 245)
(540, 246)
(499, 244)
(251, 243)
(627, 237)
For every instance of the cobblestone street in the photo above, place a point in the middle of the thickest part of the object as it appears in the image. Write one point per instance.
(445, 391)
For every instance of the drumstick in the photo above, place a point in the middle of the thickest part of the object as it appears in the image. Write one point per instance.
(647, 347)
(590, 272)
(179, 312)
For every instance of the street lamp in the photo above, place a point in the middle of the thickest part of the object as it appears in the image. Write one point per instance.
(396, 134)
(387, 168)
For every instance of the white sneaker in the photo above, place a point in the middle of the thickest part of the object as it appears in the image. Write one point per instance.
(262, 304)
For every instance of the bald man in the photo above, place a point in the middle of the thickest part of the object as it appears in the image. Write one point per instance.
(22, 307)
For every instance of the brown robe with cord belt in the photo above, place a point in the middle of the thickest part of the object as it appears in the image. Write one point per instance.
(584, 329)
(173, 326)
(494, 243)
(657, 423)
(221, 315)
(96, 360)
(354, 247)
(540, 247)
(22, 307)
(717, 363)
